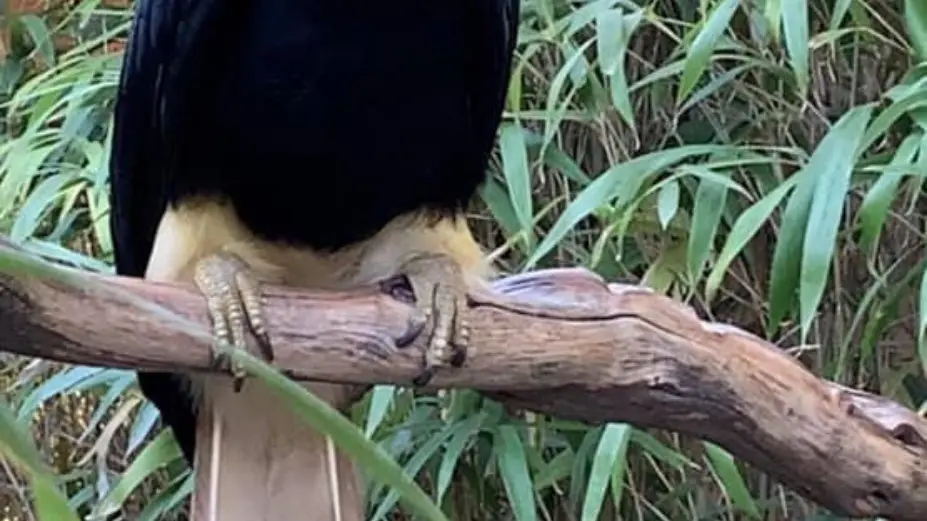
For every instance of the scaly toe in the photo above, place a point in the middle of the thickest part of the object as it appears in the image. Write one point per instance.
(234, 304)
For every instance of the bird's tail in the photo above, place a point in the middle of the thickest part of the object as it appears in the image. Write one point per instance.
(256, 461)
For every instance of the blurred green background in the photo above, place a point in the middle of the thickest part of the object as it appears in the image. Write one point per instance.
(761, 160)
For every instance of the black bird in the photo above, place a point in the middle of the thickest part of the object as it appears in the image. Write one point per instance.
(312, 143)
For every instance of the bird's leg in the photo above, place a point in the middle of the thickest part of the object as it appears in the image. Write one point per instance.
(234, 301)
(441, 296)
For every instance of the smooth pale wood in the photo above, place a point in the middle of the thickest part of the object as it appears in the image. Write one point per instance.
(561, 342)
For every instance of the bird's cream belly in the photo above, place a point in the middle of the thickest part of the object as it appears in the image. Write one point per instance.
(199, 228)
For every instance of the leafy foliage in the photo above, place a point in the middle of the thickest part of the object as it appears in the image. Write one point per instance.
(762, 161)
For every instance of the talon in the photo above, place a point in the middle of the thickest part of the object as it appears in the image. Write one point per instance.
(441, 297)
(234, 303)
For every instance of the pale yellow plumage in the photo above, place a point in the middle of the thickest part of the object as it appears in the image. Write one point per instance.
(255, 461)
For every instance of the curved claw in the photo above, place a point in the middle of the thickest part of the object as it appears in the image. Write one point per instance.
(234, 303)
(441, 297)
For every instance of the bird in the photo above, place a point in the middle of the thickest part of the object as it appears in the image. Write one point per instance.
(324, 144)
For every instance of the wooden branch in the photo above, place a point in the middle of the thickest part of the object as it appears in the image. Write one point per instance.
(561, 342)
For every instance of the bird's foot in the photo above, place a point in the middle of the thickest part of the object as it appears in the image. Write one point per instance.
(440, 293)
(234, 302)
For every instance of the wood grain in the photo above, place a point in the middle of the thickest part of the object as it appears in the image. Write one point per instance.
(562, 342)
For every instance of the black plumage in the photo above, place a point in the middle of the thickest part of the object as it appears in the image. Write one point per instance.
(320, 120)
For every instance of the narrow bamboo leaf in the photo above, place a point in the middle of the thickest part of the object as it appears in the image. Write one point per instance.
(660, 451)
(614, 33)
(40, 200)
(40, 35)
(380, 400)
(915, 18)
(513, 466)
(16, 444)
(795, 29)
(461, 435)
(158, 506)
(554, 470)
(49, 503)
(714, 85)
(743, 231)
(612, 446)
(608, 185)
(556, 158)
(906, 104)
(500, 205)
(786, 259)
(517, 174)
(668, 203)
(141, 427)
(423, 453)
(731, 479)
(703, 46)
(874, 209)
(772, 13)
(61, 382)
(159, 452)
(116, 389)
(833, 160)
(706, 216)
(841, 8)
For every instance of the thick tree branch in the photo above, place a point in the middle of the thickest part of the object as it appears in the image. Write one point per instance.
(561, 342)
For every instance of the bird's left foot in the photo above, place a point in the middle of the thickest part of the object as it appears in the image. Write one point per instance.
(234, 302)
(441, 296)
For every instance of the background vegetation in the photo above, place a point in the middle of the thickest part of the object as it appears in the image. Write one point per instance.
(762, 160)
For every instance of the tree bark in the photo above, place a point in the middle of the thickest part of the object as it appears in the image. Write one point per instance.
(561, 342)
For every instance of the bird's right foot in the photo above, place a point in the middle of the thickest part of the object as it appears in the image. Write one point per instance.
(234, 301)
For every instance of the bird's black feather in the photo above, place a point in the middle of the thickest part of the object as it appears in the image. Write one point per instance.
(320, 120)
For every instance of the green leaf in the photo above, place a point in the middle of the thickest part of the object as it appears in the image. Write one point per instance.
(515, 476)
(614, 30)
(668, 203)
(915, 18)
(833, 161)
(612, 446)
(660, 451)
(517, 175)
(703, 46)
(62, 382)
(500, 205)
(786, 259)
(461, 434)
(162, 451)
(40, 35)
(620, 179)
(729, 476)
(746, 226)
(706, 216)
(772, 13)
(423, 453)
(380, 400)
(795, 28)
(49, 502)
(141, 427)
(875, 206)
(178, 489)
